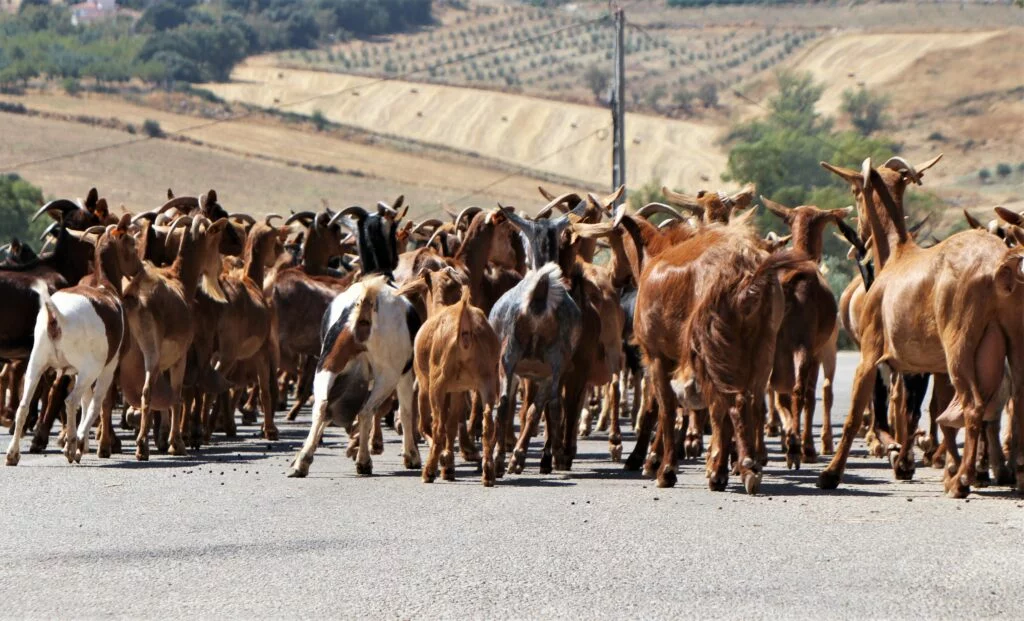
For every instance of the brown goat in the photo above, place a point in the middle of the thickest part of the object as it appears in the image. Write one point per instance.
(807, 328)
(708, 311)
(943, 309)
(456, 351)
(159, 304)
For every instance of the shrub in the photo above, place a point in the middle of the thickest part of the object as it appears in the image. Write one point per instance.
(984, 175)
(71, 86)
(1004, 170)
(152, 129)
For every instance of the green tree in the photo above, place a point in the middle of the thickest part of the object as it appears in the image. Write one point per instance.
(866, 110)
(19, 199)
(1004, 170)
(596, 79)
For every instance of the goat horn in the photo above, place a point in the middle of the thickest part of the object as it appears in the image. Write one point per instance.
(548, 196)
(272, 216)
(437, 235)
(683, 201)
(778, 209)
(467, 213)
(650, 209)
(95, 230)
(914, 229)
(49, 230)
(191, 202)
(301, 217)
(903, 167)
(560, 202)
(355, 210)
(432, 223)
(244, 217)
(62, 205)
(145, 215)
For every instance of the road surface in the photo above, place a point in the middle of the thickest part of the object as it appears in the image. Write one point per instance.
(226, 534)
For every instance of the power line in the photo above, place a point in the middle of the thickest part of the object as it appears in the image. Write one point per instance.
(452, 61)
(535, 162)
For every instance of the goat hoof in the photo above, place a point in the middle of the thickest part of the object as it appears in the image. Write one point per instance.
(13, 459)
(142, 452)
(718, 482)
(132, 419)
(957, 487)
(827, 445)
(115, 444)
(563, 463)
(248, 418)
(412, 462)
(772, 431)
(162, 446)
(300, 468)
(38, 445)
(982, 479)
(377, 448)
(875, 449)
(448, 474)
(810, 456)
(545, 463)
(364, 469)
(1004, 476)
(751, 482)
(103, 451)
(634, 462)
(939, 459)
(429, 475)
(615, 452)
(828, 479)
(178, 448)
(270, 433)
(667, 478)
(487, 474)
(472, 457)
(499, 467)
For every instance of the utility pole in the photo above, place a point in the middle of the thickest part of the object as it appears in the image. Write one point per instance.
(619, 103)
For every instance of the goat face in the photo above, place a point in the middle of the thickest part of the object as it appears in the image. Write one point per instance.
(544, 237)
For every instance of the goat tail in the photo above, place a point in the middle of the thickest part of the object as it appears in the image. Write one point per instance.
(53, 318)
(754, 286)
(465, 325)
(544, 289)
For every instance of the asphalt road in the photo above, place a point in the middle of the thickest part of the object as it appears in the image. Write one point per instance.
(226, 534)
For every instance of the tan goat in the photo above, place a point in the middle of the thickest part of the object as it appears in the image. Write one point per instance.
(456, 352)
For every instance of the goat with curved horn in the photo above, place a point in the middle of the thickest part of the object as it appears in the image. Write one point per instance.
(561, 202)
(903, 167)
(243, 217)
(61, 205)
(432, 223)
(780, 210)
(50, 230)
(302, 217)
(181, 202)
(683, 201)
(468, 213)
(650, 209)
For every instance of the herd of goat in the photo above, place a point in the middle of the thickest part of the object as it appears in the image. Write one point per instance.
(188, 314)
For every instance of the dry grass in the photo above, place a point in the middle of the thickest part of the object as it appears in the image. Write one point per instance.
(137, 175)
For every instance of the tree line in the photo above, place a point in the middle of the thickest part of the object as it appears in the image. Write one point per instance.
(186, 40)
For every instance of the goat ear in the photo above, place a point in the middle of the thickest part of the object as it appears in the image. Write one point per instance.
(853, 177)
(609, 201)
(1017, 234)
(840, 214)
(972, 222)
(1010, 217)
(91, 199)
(1007, 275)
(743, 198)
(780, 210)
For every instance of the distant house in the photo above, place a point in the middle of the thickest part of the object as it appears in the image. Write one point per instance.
(10, 6)
(92, 11)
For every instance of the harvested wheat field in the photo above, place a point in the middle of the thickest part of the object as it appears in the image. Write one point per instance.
(556, 138)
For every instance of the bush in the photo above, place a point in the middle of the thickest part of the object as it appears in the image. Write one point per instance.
(937, 137)
(866, 111)
(71, 86)
(320, 122)
(152, 129)
(1004, 170)
(984, 175)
